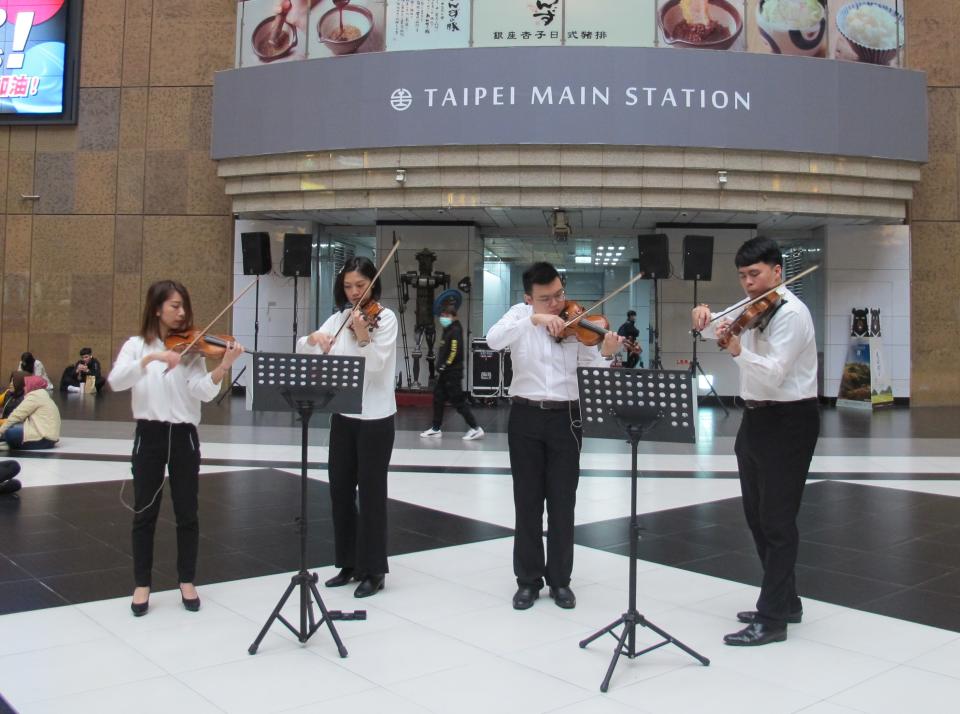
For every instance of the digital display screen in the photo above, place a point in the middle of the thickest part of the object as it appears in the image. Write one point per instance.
(39, 43)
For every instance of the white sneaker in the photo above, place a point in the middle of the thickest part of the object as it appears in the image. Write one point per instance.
(431, 432)
(72, 389)
(473, 434)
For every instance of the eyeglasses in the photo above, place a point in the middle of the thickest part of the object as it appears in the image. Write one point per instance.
(547, 299)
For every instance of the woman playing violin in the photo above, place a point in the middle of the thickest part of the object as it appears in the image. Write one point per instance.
(776, 352)
(543, 430)
(360, 444)
(167, 389)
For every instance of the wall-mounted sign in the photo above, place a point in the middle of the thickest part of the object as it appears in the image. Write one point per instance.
(612, 23)
(501, 23)
(572, 95)
(428, 24)
(39, 47)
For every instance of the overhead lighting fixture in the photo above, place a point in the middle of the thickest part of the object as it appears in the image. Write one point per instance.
(583, 259)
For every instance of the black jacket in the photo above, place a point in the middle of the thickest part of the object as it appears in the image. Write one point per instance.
(450, 351)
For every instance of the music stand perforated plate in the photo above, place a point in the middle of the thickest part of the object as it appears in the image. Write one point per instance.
(611, 398)
(333, 382)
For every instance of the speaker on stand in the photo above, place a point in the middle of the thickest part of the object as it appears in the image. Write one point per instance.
(654, 262)
(297, 248)
(697, 266)
(255, 249)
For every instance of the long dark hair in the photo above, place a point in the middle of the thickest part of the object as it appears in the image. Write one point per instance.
(27, 362)
(157, 294)
(356, 264)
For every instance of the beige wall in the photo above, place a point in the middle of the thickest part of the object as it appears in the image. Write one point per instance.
(934, 216)
(128, 195)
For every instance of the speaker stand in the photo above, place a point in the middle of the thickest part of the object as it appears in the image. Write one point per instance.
(695, 367)
(655, 362)
(295, 293)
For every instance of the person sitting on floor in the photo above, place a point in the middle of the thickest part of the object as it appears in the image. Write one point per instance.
(75, 375)
(8, 484)
(35, 423)
(31, 365)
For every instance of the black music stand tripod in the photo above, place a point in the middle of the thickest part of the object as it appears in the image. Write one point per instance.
(659, 405)
(307, 384)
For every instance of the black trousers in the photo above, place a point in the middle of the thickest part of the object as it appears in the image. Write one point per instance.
(158, 445)
(449, 388)
(774, 447)
(359, 457)
(545, 463)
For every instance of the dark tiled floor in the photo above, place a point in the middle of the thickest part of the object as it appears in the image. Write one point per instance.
(71, 544)
(882, 550)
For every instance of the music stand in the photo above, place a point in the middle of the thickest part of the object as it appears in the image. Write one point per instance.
(307, 384)
(648, 404)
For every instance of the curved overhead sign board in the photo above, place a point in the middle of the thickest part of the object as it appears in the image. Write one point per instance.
(572, 95)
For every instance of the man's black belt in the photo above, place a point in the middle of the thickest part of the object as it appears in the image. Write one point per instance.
(754, 404)
(546, 403)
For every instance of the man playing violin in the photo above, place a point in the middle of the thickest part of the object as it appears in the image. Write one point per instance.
(778, 434)
(543, 431)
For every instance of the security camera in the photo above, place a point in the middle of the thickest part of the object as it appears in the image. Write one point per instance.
(561, 227)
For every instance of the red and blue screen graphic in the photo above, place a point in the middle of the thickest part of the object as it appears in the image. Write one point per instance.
(33, 41)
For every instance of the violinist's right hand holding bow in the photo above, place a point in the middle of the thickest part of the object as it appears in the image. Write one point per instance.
(701, 317)
(322, 339)
(553, 323)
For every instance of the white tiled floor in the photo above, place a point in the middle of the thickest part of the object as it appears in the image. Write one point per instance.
(443, 638)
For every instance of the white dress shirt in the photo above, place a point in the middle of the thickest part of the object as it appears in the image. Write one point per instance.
(379, 397)
(159, 395)
(778, 363)
(543, 369)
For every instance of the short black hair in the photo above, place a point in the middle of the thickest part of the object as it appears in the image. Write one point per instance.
(759, 250)
(631, 313)
(356, 264)
(541, 273)
(85, 351)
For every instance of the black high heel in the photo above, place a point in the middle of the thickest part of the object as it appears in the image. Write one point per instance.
(191, 604)
(139, 609)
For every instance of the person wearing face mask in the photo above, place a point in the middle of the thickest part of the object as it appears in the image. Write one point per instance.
(449, 385)
(629, 331)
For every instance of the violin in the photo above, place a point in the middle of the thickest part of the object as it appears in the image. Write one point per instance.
(589, 330)
(371, 313)
(186, 342)
(757, 313)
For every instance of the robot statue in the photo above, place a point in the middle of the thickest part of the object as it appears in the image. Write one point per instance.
(424, 281)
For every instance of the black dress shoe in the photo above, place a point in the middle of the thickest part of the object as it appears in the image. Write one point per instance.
(370, 585)
(525, 596)
(756, 634)
(748, 616)
(342, 578)
(564, 598)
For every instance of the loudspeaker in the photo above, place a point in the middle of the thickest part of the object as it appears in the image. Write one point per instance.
(652, 256)
(256, 253)
(296, 255)
(697, 257)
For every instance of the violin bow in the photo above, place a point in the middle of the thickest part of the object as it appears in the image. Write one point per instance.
(746, 302)
(623, 287)
(219, 315)
(370, 286)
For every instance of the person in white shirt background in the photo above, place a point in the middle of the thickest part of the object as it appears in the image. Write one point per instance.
(360, 444)
(777, 436)
(167, 389)
(543, 432)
